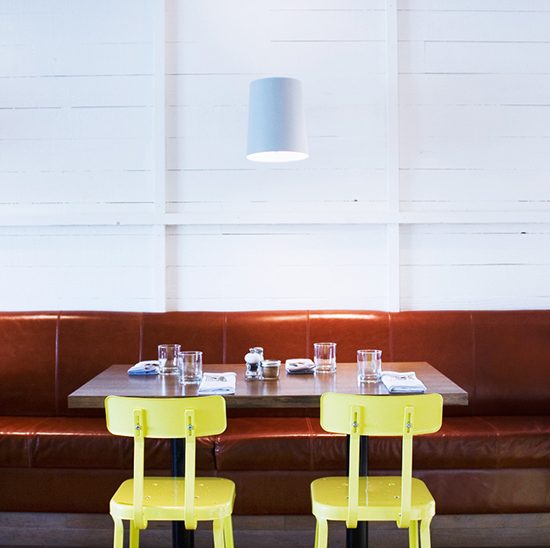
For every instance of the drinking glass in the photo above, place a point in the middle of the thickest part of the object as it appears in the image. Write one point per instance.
(369, 365)
(190, 367)
(324, 356)
(168, 358)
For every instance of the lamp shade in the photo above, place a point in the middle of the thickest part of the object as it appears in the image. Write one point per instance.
(276, 122)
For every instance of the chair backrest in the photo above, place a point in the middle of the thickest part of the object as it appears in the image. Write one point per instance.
(186, 418)
(403, 416)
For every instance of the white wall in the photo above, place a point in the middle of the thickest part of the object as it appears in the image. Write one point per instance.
(123, 182)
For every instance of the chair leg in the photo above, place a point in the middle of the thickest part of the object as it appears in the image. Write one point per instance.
(321, 533)
(118, 536)
(413, 534)
(217, 529)
(425, 541)
(134, 536)
(228, 532)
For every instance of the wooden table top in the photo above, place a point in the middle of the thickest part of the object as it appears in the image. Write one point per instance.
(287, 391)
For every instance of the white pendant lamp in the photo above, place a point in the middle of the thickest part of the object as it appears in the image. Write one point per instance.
(276, 121)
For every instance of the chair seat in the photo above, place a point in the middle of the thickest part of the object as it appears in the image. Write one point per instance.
(379, 498)
(163, 498)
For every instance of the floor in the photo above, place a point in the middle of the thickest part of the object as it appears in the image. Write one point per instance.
(95, 531)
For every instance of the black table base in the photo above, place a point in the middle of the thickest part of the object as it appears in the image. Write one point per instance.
(181, 537)
(359, 537)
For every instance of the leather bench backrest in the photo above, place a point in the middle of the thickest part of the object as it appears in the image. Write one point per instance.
(192, 330)
(89, 342)
(501, 358)
(281, 334)
(443, 339)
(28, 345)
(512, 362)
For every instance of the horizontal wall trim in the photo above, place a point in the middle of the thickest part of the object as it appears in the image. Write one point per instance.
(340, 215)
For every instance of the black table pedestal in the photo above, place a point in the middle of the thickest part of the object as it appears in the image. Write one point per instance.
(359, 537)
(181, 537)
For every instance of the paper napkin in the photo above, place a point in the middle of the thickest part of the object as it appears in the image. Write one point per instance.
(218, 383)
(299, 366)
(150, 367)
(402, 383)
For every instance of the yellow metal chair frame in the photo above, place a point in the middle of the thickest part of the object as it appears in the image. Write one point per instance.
(403, 499)
(189, 499)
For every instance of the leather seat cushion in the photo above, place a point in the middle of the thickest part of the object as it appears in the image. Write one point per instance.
(463, 442)
(270, 443)
(77, 442)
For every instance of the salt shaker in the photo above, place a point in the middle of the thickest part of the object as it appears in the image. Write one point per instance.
(253, 360)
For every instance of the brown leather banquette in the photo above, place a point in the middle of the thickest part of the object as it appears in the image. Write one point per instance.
(491, 457)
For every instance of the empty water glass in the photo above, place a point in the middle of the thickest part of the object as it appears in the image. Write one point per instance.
(190, 367)
(369, 365)
(168, 358)
(324, 356)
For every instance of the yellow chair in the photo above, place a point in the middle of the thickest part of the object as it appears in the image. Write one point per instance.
(403, 499)
(189, 499)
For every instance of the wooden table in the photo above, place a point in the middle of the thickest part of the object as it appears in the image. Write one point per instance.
(287, 391)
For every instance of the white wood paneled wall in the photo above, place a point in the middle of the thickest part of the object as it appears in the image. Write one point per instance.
(291, 266)
(123, 182)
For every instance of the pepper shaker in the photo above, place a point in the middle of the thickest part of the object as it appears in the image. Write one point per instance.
(253, 360)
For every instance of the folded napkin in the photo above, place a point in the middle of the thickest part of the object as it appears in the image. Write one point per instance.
(299, 366)
(218, 383)
(402, 383)
(148, 367)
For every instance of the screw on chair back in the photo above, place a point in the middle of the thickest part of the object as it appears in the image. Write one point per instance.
(359, 415)
(186, 418)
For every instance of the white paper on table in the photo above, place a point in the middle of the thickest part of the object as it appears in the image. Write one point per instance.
(147, 367)
(218, 383)
(402, 383)
(299, 366)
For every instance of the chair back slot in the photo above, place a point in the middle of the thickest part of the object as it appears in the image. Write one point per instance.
(406, 467)
(139, 451)
(353, 478)
(190, 448)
